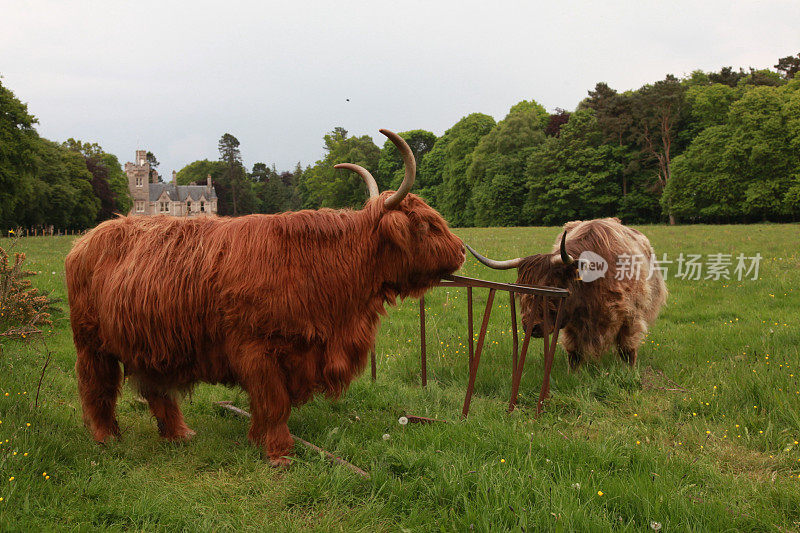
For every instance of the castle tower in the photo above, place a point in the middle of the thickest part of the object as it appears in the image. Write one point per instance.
(139, 183)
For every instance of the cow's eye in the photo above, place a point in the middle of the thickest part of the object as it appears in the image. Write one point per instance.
(423, 228)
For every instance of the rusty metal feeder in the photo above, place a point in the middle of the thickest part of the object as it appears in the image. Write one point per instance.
(550, 335)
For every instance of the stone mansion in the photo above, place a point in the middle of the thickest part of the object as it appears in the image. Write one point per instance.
(159, 198)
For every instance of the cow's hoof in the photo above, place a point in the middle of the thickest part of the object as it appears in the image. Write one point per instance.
(103, 439)
(106, 435)
(183, 435)
(281, 462)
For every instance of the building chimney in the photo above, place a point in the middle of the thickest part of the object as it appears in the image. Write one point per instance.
(208, 182)
(174, 178)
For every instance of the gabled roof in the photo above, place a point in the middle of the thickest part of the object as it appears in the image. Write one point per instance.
(181, 192)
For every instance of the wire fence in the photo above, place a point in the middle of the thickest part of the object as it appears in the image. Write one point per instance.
(39, 231)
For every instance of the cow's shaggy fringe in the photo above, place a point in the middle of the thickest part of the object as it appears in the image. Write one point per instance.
(284, 305)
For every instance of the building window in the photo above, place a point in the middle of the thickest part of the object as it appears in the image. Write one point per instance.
(188, 206)
(164, 207)
(139, 206)
(139, 181)
(202, 207)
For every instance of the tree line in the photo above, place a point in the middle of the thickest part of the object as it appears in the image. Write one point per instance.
(69, 185)
(708, 147)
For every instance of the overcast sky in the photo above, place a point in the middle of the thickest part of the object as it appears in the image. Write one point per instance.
(173, 77)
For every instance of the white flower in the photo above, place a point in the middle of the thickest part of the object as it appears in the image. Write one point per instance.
(402, 421)
(576, 486)
(655, 526)
(386, 436)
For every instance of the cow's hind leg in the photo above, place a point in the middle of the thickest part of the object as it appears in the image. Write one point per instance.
(167, 413)
(270, 405)
(99, 382)
(629, 338)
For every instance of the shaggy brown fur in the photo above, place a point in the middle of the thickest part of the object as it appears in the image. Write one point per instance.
(284, 305)
(603, 312)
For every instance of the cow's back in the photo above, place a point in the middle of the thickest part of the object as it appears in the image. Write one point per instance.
(135, 282)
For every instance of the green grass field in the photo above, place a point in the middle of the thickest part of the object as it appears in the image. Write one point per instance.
(701, 436)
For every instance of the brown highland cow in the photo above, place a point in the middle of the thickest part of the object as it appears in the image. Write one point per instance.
(283, 305)
(616, 308)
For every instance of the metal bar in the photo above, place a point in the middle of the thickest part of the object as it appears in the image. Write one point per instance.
(514, 339)
(423, 358)
(548, 359)
(469, 321)
(545, 327)
(473, 369)
(460, 281)
(373, 363)
(338, 460)
(423, 420)
(512, 404)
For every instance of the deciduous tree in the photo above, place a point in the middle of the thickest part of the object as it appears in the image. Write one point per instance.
(325, 186)
(657, 112)
(498, 163)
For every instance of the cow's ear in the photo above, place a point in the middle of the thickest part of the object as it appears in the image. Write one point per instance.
(394, 227)
(568, 271)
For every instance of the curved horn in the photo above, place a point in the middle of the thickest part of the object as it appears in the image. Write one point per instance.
(491, 263)
(410, 166)
(372, 186)
(565, 257)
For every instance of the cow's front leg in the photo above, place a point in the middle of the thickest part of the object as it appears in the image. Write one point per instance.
(265, 383)
(575, 359)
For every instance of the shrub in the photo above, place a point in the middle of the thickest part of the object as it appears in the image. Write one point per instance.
(23, 309)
